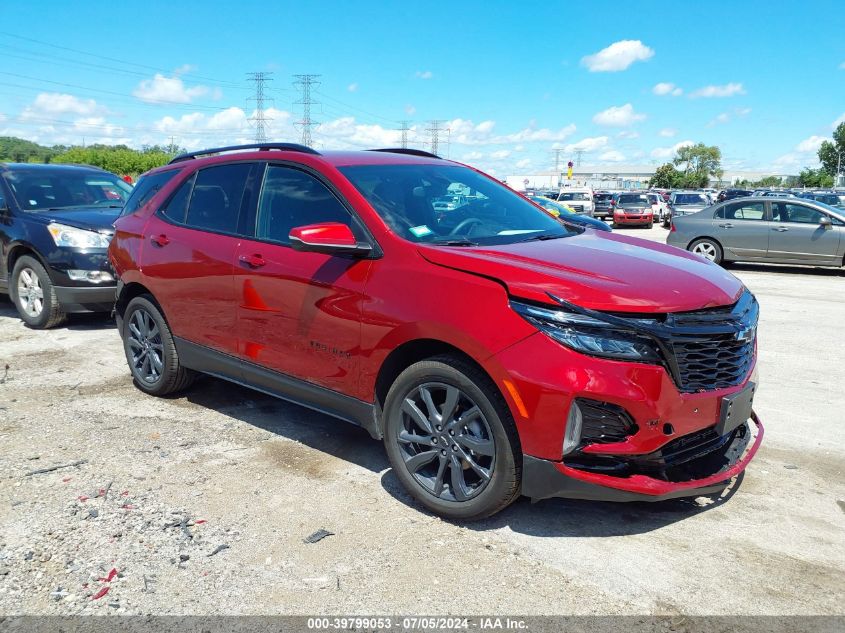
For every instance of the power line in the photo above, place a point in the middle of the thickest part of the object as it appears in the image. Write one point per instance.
(434, 130)
(305, 83)
(403, 132)
(260, 118)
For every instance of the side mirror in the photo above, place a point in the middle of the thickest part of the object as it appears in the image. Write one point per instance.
(825, 223)
(329, 238)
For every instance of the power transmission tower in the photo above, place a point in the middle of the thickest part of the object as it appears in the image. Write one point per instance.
(403, 131)
(259, 119)
(557, 165)
(434, 129)
(305, 83)
(579, 153)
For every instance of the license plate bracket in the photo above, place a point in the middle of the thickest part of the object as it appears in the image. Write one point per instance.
(735, 409)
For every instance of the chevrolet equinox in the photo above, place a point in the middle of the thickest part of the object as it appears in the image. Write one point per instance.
(496, 350)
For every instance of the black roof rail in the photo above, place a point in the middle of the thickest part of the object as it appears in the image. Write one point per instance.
(264, 147)
(405, 150)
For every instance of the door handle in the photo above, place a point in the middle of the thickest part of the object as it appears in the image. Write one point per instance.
(160, 240)
(253, 261)
(727, 225)
(780, 229)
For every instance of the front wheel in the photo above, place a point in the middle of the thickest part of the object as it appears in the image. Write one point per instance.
(451, 439)
(34, 294)
(708, 249)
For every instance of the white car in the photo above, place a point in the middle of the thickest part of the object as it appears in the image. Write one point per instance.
(658, 206)
(579, 199)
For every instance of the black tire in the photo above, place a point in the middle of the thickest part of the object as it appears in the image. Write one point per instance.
(165, 375)
(50, 313)
(707, 248)
(650, 224)
(494, 429)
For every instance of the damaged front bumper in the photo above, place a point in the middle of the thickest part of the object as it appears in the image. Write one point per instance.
(690, 470)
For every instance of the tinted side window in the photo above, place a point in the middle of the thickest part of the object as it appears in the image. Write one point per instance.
(291, 198)
(745, 211)
(145, 189)
(176, 207)
(216, 198)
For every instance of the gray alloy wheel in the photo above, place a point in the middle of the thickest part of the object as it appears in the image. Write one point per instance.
(143, 339)
(446, 442)
(30, 293)
(707, 249)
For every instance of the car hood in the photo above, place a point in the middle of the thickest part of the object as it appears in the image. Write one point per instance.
(689, 208)
(93, 218)
(598, 270)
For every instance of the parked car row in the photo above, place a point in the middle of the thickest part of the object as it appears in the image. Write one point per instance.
(494, 349)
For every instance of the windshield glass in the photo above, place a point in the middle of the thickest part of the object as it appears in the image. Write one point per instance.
(602, 197)
(690, 198)
(573, 196)
(62, 188)
(828, 198)
(633, 198)
(484, 211)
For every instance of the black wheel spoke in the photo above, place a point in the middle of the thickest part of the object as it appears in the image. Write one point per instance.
(431, 409)
(450, 404)
(410, 407)
(414, 438)
(477, 445)
(457, 484)
(419, 460)
(438, 480)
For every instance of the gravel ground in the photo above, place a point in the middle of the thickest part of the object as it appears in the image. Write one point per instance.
(201, 504)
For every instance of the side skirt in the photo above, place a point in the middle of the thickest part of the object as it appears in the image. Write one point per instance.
(333, 403)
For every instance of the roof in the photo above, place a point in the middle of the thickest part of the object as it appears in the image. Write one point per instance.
(49, 166)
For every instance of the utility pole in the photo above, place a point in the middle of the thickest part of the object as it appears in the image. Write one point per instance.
(304, 83)
(579, 153)
(403, 132)
(259, 119)
(172, 147)
(434, 129)
(557, 165)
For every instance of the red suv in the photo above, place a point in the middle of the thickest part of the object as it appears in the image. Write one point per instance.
(494, 349)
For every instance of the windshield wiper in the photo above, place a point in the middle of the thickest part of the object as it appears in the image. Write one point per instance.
(460, 241)
(542, 237)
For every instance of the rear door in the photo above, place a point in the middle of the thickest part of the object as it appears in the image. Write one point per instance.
(300, 313)
(188, 260)
(743, 229)
(797, 234)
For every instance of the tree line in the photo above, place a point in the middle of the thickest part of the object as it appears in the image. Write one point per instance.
(118, 159)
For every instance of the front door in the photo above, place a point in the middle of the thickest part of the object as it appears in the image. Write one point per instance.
(299, 313)
(797, 234)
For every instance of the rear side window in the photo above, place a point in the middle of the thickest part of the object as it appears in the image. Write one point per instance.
(743, 211)
(177, 206)
(145, 189)
(216, 197)
(292, 198)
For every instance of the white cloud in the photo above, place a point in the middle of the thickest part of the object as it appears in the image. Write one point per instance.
(522, 164)
(669, 152)
(618, 56)
(54, 103)
(665, 88)
(725, 117)
(743, 111)
(629, 134)
(410, 110)
(726, 90)
(161, 89)
(353, 87)
(619, 116)
(590, 144)
(472, 156)
(466, 132)
(811, 144)
(667, 132)
(500, 154)
(612, 156)
(836, 123)
(424, 74)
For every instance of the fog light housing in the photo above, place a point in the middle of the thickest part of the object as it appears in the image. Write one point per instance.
(91, 276)
(572, 434)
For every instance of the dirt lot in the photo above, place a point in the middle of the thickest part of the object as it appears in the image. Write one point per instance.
(201, 503)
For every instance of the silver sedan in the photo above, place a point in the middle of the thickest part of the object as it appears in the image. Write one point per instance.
(776, 230)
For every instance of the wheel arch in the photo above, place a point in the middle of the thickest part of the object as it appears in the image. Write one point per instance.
(128, 292)
(18, 250)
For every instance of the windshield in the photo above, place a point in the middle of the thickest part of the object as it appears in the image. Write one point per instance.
(62, 188)
(829, 199)
(690, 198)
(633, 198)
(485, 211)
(573, 196)
(601, 197)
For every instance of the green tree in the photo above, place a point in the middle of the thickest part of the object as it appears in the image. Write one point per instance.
(816, 178)
(665, 177)
(829, 151)
(700, 162)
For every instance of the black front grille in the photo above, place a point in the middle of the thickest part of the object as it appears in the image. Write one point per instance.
(603, 422)
(717, 362)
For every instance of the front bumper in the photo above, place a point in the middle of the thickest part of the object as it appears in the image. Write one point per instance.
(86, 298)
(542, 479)
(633, 219)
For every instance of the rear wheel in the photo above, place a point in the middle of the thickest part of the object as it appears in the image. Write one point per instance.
(150, 351)
(451, 439)
(34, 294)
(708, 249)
(650, 224)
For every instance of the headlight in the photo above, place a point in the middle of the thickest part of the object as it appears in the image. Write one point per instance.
(588, 335)
(64, 235)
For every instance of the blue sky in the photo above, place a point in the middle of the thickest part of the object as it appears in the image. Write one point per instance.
(624, 82)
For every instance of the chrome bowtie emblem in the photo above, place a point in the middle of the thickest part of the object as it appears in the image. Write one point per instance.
(746, 335)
